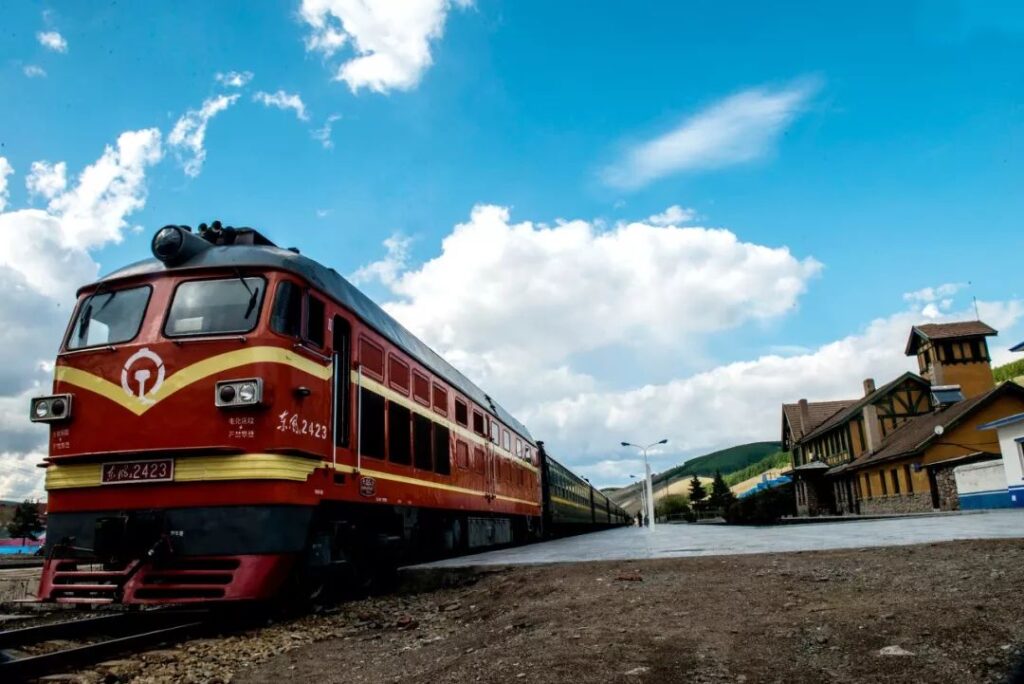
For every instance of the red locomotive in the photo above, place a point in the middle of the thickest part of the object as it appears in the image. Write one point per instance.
(230, 419)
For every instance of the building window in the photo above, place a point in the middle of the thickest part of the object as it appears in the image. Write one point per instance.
(895, 480)
(909, 477)
(881, 480)
(867, 485)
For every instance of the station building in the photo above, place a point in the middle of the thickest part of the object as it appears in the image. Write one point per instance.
(1010, 432)
(895, 448)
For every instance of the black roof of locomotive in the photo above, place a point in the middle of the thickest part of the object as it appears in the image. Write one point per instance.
(331, 283)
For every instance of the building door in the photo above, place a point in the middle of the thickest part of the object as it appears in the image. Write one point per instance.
(933, 485)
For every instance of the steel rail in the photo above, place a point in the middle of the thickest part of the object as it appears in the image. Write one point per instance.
(127, 631)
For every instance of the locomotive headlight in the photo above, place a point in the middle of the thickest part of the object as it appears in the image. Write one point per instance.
(247, 393)
(49, 409)
(239, 393)
(167, 242)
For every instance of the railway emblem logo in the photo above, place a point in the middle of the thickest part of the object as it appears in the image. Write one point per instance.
(367, 486)
(134, 383)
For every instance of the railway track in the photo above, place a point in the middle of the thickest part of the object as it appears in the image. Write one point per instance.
(24, 654)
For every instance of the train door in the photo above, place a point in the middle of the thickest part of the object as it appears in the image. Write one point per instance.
(341, 355)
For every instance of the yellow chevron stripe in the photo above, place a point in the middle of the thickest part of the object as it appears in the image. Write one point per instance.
(190, 374)
(197, 469)
(255, 466)
(401, 399)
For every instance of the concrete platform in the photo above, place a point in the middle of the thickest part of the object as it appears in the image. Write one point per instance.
(680, 540)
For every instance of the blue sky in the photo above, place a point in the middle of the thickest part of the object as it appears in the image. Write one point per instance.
(883, 143)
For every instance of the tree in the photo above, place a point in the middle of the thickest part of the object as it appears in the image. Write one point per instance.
(697, 492)
(721, 495)
(26, 523)
(672, 504)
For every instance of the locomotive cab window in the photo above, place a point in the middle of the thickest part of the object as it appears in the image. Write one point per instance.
(286, 318)
(211, 307)
(109, 317)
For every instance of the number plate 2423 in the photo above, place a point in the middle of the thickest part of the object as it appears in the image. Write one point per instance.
(160, 470)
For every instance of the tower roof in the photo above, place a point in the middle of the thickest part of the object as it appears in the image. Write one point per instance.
(946, 331)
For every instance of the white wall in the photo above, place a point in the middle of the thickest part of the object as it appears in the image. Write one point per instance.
(1008, 437)
(980, 477)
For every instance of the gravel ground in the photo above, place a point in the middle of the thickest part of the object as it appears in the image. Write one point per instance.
(949, 612)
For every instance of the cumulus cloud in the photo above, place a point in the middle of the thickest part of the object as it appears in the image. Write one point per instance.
(389, 42)
(47, 180)
(739, 129)
(386, 270)
(283, 100)
(34, 71)
(546, 317)
(234, 79)
(323, 134)
(587, 288)
(52, 40)
(189, 133)
(673, 216)
(5, 170)
(44, 257)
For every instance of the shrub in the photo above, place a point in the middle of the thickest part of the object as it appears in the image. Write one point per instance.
(762, 508)
(673, 504)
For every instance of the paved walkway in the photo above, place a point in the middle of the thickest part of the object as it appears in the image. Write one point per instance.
(670, 541)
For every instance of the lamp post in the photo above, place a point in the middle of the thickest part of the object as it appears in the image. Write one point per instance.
(647, 479)
(643, 495)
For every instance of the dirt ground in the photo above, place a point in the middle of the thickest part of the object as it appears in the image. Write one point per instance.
(950, 612)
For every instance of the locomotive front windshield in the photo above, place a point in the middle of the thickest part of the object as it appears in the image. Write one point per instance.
(109, 317)
(210, 307)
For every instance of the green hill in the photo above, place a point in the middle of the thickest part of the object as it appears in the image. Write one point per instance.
(1008, 371)
(727, 461)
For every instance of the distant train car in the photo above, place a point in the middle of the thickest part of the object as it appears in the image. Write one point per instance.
(572, 504)
(231, 418)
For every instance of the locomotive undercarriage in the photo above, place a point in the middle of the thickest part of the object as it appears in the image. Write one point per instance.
(253, 553)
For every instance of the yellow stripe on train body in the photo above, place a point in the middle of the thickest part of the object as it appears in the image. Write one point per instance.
(255, 466)
(190, 375)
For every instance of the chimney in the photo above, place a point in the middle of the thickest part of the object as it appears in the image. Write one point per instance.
(869, 386)
(872, 428)
(805, 417)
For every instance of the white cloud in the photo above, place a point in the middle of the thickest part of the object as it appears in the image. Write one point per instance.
(323, 213)
(673, 216)
(739, 129)
(588, 289)
(189, 133)
(390, 41)
(323, 134)
(390, 267)
(553, 321)
(283, 100)
(48, 180)
(34, 71)
(234, 79)
(52, 40)
(44, 257)
(5, 170)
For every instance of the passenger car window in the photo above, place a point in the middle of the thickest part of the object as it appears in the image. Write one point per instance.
(206, 307)
(109, 317)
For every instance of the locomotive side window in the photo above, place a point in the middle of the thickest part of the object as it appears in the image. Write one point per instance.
(109, 317)
(286, 318)
(399, 434)
(398, 374)
(519, 448)
(420, 388)
(210, 307)
(372, 358)
(315, 321)
(478, 424)
(371, 424)
(442, 450)
(421, 442)
(494, 432)
(461, 413)
(461, 454)
(506, 441)
(478, 459)
(440, 400)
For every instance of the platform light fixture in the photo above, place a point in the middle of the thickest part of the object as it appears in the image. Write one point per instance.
(648, 485)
